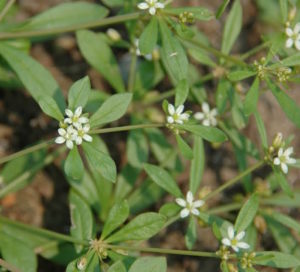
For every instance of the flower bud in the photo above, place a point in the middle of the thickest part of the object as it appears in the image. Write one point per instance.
(113, 34)
(81, 264)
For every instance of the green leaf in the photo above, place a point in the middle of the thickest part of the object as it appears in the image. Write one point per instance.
(149, 264)
(137, 148)
(247, 213)
(281, 179)
(286, 221)
(293, 60)
(73, 166)
(148, 39)
(36, 79)
(210, 134)
(191, 233)
(240, 75)
(184, 148)
(173, 55)
(200, 13)
(233, 27)
(66, 15)
(181, 92)
(284, 10)
(50, 107)
(288, 105)
(278, 260)
(100, 56)
(99, 162)
(223, 89)
(81, 218)
(113, 3)
(222, 8)
(141, 227)
(197, 165)
(162, 178)
(170, 209)
(117, 267)
(261, 129)
(116, 217)
(17, 253)
(79, 93)
(112, 109)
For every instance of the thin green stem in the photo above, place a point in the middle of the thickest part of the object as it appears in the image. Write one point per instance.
(8, 266)
(164, 251)
(255, 50)
(11, 186)
(215, 52)
(226, 208)
(44, 232)
(47, 32)
(132, 72)
(234, 180)
(125, 128)
(26, 151)
(6, 9)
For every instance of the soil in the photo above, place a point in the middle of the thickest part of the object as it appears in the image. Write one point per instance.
(44, 202)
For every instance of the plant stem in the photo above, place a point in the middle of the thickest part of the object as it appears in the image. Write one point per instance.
(225, 208)
(234, 180)
(255, 50)
(215, 52)
(6, 9)
(11, 186)
(8, 266)
(125, 128)
(164, 251)
(47, 32)
(26, 151)
(132, 72)
(43, 232)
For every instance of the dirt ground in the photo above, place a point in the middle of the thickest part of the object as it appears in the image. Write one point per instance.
(44, 202)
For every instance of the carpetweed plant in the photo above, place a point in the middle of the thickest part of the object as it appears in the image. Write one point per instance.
(173, 118)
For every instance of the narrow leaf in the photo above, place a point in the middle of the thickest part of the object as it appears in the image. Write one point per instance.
(278, 260)
(117, 267)
(250, 103)
(191, 233)
(73, 166)
(141, 227)
(162, 178)
(233, 27)
(50, 107)
(184, 148)
(247, 213)
(112, 109)
(116, 217)
(149, 264)
(148, 39)
(222, 8)
(181, 92)
(79, 93)
(210, 134)
(240, 75)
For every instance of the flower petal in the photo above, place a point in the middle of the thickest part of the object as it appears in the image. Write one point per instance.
(171, 109)
(60, 140)
(189, 197)
(179, 109)
(235, 248)
(69, 144)
(276, 161)
(184, 213)
(289, 32)
(69, 113)
(198, 203)
(181, 202)
(184, 116)
(205, 107)
(179, 121)
(170, 120)
(291, 161)
(242, 245)
(240, 235)
(78, 140)
(226, 242)
(143, 5)
(78, 111)
(284, 168)
(160, 5)
(230, 232)
(297, 28)
(297, 44)
(289, 43)
(87, 138)
(62, 132)
(288, 151)
(199, 115)
(195, 212)
(83, 120)
(206, 122)
(152, 10)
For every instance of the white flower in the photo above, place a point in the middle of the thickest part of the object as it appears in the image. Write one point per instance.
(152, 5)
(113, 34)
(207, 116)
(283, 158)
(189, 205)
(234, 241)
(293, 37)
(81, 134)
(66, 136)
(176, 115)
(75, 118)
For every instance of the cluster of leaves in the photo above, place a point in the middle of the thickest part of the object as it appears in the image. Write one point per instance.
(109, 209)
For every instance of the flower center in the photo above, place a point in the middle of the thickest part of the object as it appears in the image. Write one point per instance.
(75, 119)
(234, 241)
